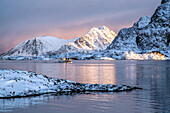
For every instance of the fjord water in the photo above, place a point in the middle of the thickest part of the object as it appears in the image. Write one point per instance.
(153, 76)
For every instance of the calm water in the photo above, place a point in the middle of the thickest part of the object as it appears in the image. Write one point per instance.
(153, 76)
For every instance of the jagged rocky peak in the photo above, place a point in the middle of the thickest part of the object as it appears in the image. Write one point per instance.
(126, 38)
(162, 14)
(149, 34)
(143, 21)
(156, 35)
(96, 38)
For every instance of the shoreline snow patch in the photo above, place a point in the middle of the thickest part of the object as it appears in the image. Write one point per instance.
(15, 83)
(148, 56)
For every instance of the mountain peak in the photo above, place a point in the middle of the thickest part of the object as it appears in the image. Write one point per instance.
(104, 28)
(142, 22)
(95, 39)
(149, 34)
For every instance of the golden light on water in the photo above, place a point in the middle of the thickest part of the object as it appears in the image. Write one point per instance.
(91, 73)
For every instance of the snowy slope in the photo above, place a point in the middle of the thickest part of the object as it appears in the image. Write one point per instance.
(15, 83)
(36, 46)
(95, 39)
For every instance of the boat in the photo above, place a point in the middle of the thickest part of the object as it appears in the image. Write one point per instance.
(65, 60)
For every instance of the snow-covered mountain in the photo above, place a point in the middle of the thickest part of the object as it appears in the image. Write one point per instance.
(95, 39)
(36, 46)
(149, 34)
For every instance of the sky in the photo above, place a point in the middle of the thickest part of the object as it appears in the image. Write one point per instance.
(25, 19)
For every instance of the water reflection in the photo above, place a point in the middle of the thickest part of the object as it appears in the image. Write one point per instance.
(80, 72)
(155, 78)
(9, 104)
(96, 74)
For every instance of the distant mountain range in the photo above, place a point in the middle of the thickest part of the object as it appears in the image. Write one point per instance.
(95, 39)
(149, 38)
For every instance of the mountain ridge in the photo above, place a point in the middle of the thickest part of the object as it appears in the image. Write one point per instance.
(43, 45)
(94, 39)
(37, 46)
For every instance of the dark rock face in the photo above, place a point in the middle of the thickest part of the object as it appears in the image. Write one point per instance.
(148, 34)
(164, 1)
(155, 36)
(126, 38)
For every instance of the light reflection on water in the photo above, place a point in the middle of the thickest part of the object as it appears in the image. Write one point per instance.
(153, 76)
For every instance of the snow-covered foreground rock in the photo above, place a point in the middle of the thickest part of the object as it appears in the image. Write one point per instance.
(15, 83)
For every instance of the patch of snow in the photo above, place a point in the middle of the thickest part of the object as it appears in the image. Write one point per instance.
(149, 56)
(106, 58)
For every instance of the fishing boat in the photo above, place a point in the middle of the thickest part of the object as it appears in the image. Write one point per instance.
(65, 60)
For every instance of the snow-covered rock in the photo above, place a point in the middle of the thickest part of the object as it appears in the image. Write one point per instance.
(149, 34)
(156, 35)
(95, 39)
(36, 46)
(126, 38)
(15, 83)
